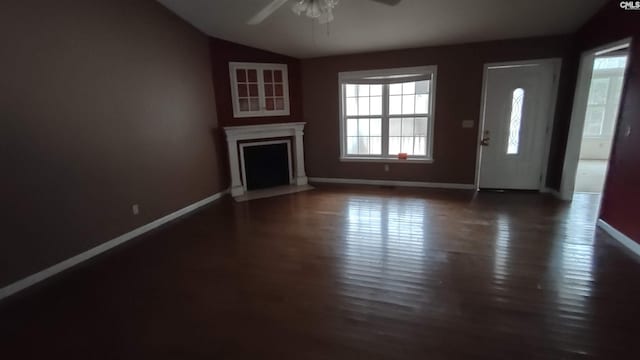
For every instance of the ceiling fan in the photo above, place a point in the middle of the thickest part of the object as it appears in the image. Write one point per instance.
(322, 10)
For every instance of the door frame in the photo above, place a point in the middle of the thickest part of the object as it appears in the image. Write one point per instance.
(556, 64)
(579, 111)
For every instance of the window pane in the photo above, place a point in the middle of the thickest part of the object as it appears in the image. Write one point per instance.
(244, 104)
(351, 90)
(376, 105)
(241, 75)
(268, 90)
(375, 90)
(363, 90)
(394, 145)
(408, 104)
(513, 142)
(409, 88)
(363, 106)
(375, 145)
(253, 89)
(395, 127)
(363, 145)
(254, 104)
(594, 120)
(352, 127)
(617, 62)
(395, 89)
(279, 103)
(598, 91)
(277, 76)
(422, 104)
(252, 75)
(352, 106)
(352, 145)
(407, 126)
(375, 128)
(420, 146)
(363, 127)
(268, 76)
(407, 145)
(243, 90)
(395, 105)
(422, 87)
(421, 127)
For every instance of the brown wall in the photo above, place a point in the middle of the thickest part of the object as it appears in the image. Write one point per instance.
(458, 98)
(103, 104)
(223, 52)
(621, 198)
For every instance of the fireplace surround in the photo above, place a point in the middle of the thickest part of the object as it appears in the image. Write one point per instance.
(262, 133)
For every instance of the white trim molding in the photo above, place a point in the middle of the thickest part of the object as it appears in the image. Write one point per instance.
(108, 245)
(255, 132)
(578, 113)
(623, 239)
(419, 184)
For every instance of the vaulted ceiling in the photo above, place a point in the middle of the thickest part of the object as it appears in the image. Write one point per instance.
(365, 25)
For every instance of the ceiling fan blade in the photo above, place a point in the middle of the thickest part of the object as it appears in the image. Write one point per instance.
(266, 12)
(388, 2)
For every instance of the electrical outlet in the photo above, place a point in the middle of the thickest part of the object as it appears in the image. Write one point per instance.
(386, 167)
(135, 209)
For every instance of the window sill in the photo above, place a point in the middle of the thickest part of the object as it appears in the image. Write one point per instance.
(387, 160)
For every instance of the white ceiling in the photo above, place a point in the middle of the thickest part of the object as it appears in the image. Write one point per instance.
(364, 25)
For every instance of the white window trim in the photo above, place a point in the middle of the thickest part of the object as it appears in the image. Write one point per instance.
(390, 76)
(259, 67)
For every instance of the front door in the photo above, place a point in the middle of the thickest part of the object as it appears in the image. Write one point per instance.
(516, 99)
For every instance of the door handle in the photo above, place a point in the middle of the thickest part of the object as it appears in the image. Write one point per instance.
(485, 139)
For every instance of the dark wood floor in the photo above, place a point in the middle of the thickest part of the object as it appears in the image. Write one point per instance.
(347, 273)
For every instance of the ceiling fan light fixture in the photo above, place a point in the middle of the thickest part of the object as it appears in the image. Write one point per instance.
(316, 9)
(326, 17)
(300, 7)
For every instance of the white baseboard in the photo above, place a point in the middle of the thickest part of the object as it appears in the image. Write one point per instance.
(108, 245)
(620, 237)
(393, 183)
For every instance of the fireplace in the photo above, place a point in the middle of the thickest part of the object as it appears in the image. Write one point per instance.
(255, 145)
(266, 164)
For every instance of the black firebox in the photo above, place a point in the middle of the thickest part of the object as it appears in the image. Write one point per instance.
(266, 165)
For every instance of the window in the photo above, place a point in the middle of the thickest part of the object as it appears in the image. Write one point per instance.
(604, 93)
(513, 143)
(596, 107)
(259, 89)
(387, 112)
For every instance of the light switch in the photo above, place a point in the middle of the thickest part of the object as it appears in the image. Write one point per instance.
(467, 124)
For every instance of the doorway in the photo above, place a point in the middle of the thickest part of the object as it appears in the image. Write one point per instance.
(594, 119)
(517, 110)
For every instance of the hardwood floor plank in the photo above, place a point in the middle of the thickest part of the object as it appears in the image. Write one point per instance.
(344, 272)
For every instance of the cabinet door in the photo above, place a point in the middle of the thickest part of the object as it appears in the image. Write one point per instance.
(259, 89)
(246, 87)
(274, 90)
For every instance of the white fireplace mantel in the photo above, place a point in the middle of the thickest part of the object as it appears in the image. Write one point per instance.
(261, 132)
